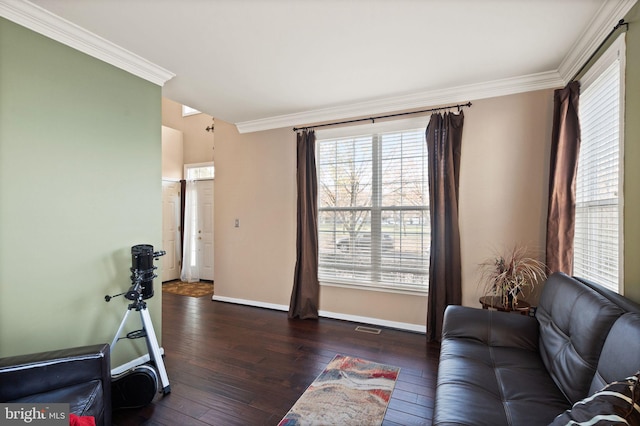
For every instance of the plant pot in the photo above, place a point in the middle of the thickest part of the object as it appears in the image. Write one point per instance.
(510, 302)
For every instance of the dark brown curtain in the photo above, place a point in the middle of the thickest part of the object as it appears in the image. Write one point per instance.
(565, 147)
(444, 139)
(305, 296)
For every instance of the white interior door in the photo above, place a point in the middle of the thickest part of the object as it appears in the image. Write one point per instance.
(171, 230)
(205, 229)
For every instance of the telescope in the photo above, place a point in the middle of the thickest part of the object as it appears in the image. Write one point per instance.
(142, 271)
(137, 386)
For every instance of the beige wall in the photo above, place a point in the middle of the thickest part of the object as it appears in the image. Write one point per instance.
(502, 200)
(256, 184)
(198, 144)
(172, 114)
(503, 180)
(172, 153)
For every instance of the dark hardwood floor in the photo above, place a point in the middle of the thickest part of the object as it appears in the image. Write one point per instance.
(238, 365)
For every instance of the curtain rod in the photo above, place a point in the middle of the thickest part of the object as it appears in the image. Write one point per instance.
(618, 25)
(373, 119)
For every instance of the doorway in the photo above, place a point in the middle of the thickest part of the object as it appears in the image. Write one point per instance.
(171, 230)
(204, 236)
(198, 248)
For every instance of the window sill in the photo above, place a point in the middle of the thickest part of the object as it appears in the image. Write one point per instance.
(378, 288)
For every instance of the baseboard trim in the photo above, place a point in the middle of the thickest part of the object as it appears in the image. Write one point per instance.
(253, 303)
(133, 363)
(405, 326)
(416, 328)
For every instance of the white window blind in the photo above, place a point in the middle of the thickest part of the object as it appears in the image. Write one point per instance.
(597, 243)
(373, 225)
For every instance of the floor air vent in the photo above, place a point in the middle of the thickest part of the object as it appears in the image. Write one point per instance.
(370, 330)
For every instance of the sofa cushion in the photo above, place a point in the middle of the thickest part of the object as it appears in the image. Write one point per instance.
(574, 322)
(618, 299)
(620, 355)
(492, 328)
(616, 404)
(500, 385)
(490, 366)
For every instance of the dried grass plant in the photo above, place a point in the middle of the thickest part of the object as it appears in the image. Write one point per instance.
(511, 274)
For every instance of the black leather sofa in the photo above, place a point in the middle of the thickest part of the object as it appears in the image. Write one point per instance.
(499, 368)
(78, 376)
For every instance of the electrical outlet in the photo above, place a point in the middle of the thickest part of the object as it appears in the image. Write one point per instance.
(237, 223)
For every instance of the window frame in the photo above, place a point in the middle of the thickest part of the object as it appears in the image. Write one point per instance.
(195, 166)
(615, 52)
(187, 111)
(375, 130)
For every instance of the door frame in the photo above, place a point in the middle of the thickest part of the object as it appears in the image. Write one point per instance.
(177, 249)
(197, 172)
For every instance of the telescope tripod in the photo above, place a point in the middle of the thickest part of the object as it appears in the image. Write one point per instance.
(149, 334)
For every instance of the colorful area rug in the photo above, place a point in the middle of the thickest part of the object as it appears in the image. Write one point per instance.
(350, 391)
(198, 289)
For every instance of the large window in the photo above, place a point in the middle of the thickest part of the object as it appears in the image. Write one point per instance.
(598, 226)
(373, 221)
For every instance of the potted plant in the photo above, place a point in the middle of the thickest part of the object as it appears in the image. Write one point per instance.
(510, 275)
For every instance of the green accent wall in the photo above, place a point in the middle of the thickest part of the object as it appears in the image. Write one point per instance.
(80, 183)
(632, 159)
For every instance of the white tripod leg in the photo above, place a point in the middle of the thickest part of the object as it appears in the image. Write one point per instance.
(117, 336)
(154, 349)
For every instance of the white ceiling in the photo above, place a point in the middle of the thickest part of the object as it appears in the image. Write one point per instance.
(272, 63)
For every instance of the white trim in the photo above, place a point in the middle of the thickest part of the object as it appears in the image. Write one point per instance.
(372, 287)
(133, 363)
(605, 19)
(326, 314)
(42, 21)
(596, 31)
(623, 95)
(375, 321)
(197, 166)
(615, 52)
(507, 86)
(253, 303)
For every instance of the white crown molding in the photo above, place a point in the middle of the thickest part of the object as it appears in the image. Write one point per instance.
(46, 23)
(603, 22)
(470, 92)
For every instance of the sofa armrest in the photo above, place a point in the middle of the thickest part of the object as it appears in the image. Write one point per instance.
(25, 375)
(492, 328)
(79, 376)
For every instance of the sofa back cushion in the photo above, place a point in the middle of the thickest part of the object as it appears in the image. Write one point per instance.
(574, 323)
(616, 298)
(620, 356)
